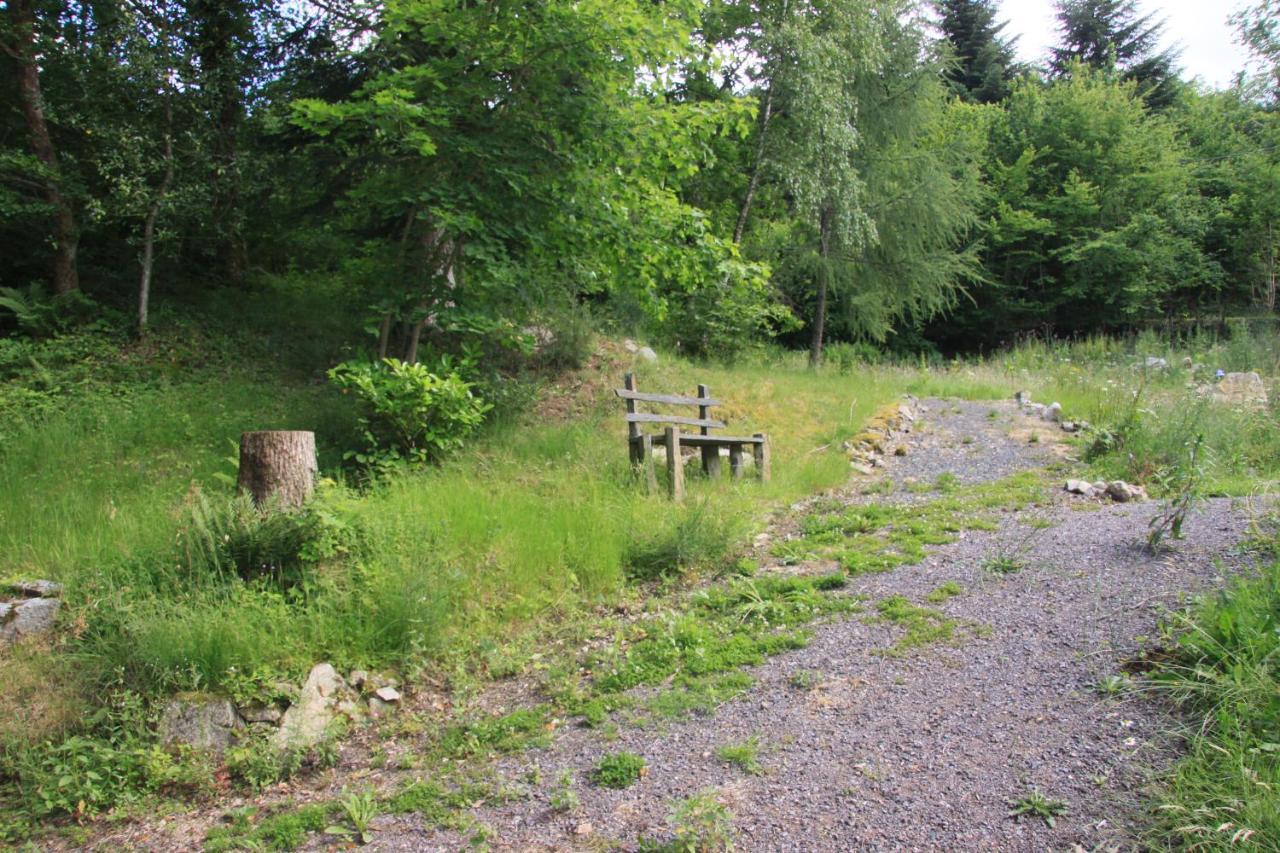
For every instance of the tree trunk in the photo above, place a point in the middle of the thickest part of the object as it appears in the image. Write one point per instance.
(149, 228)
(66, 235)
(766, 113)
(278, 465)
(820, 310)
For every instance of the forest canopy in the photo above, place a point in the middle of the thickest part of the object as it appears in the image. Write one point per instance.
(711, 173)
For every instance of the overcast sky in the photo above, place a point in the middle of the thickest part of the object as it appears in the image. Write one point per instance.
(1199, 27)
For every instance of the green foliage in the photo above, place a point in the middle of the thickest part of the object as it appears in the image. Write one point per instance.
(619, 770)
(702, 824)
(745, 755)
(285, 829)
(983, 58)
(943, 592)
(1182, 486)
(1038, 805)
(408, 412)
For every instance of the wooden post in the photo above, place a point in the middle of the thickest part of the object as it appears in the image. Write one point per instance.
(650, 471)
(735, 461)
(764, 461)
(279, 464)
(710, 454)
(634, 448)
(675, 465)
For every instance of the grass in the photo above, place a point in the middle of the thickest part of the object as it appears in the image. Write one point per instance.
(619, 770)
(1036, 804)
(922, 626)
(745, 755)
(1225, 793)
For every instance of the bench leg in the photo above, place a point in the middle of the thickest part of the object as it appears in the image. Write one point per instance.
(735, 461)
(764, 462)
(675, 465)
(646, 459)
(711, 461)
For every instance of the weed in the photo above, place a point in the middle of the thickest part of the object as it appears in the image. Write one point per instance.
(619, 770)
(945, 591)
(1114, 685)
(924, 626)
(1182, 484)
(745, 755)
(282, 830)
(805, 679)
(698, 695)
(702, 824)
(1003, 565)
(1036, 804)
(946, 482)
(564, 798)
(359, 810)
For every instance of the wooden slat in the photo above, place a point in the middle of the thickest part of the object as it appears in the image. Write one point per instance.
(641, 418)
(668, 399)
(692, 440)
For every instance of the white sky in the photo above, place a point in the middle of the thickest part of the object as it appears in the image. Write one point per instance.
(1199, 27)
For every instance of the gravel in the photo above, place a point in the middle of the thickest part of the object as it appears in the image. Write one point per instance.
(927, 751)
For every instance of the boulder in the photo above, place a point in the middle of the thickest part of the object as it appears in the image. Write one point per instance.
(1022, 398)
(1070, 426)
(36, 588)
(1241, 389)
(1154, 363)
(206, 723)
(31, 618)
(647, 354)
(323, 698)
(1052, 413)
(387, 694)
(1080, 487)
(261, 714)
(1122, 492)
(631, 346)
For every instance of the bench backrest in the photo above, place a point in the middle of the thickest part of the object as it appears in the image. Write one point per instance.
(635, 418)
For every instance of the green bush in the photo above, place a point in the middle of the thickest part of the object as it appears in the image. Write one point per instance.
(619, 770)
(409, 412)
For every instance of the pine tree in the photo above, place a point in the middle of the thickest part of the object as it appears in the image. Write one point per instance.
(1111, 33)
(983, 61)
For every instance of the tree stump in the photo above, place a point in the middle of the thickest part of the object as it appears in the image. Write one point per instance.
(279, 464)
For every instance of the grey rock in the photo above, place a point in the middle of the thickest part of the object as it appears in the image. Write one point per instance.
(1154, 363)
(861, 468)
(377, 707)
(1080, 487)
(262, 714)
(1022, 398)
(542, 336)
(323, 698)
(1241, 389)
(5, 610)
(647, 354)
(1187, 362)
(1070, 426)
(1099, 485)
(630, 346)
(31, 618)
(357, 678)
(37, 588)
(1052, 412)
(387, 694)
(1122, 492)
(202, 722)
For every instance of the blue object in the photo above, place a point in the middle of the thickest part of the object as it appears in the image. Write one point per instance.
(1220, 373)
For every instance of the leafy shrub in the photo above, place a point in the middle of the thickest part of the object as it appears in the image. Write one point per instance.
(39, 315)
(409, 412)
(619, 770)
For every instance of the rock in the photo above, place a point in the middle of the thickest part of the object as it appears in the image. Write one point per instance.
(1080, 487)
(1246, 389)
(5, 610)
(202, 722)
(1121, 492)
(1052, 413)
(269, 714)
(542, 336)
(357, 678)
(900, 450)
(31, 618)
(1188, 362)
(377, 707)
(1070, 426)
(323, 698)
(647, 354)
(905, 412)
(37, 588)
(1022, 398)
(630, 346)
(1153, 363)
(1099, 485)
(862, 468)
(584, 828)
(387, 694)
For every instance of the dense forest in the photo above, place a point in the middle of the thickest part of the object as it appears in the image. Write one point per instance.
(711, 172)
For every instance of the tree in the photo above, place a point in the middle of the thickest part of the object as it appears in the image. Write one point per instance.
(1110, 33)
(22, 41)
(983, 61)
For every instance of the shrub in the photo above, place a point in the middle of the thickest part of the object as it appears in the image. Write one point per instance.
(409, 412)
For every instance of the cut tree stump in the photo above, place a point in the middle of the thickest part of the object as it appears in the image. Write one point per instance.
(279, 465)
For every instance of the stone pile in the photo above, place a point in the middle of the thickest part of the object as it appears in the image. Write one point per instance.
(213, 723)
(29, 609)
(868, 449)
(1117, 490)
(1051, 413)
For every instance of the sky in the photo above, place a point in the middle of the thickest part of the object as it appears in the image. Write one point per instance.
(1199, 27)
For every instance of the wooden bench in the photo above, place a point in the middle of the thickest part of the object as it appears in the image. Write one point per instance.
(640, 443)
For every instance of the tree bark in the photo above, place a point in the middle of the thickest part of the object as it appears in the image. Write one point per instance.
(753, 183)
(66, 235)
(149, 227)
(278, 465)
(824, 275)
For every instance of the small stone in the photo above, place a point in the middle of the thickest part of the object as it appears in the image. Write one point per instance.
(904, 411)
(204, 723)
(357, 678)
(1053, 413)
(37, 588)
(1022, 398)
(630, 346)
(1080, 487)
(1187, 362)
(31, 618)
(5, 610)
(648, 354)
(1099, 485)
(1070, 426)
(1154, 363)
(387, 694)
(900, 450)
(1121, 492)
(377, 707)
(584, 828)
(862, 468)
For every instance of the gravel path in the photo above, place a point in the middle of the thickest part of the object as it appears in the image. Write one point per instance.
(924, 752)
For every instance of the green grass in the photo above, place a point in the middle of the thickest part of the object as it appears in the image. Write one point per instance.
(619, 770)
(744, 755)
(1225, 793)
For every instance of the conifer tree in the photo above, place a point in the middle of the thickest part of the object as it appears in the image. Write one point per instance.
(1112, 33)
(983, 62)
